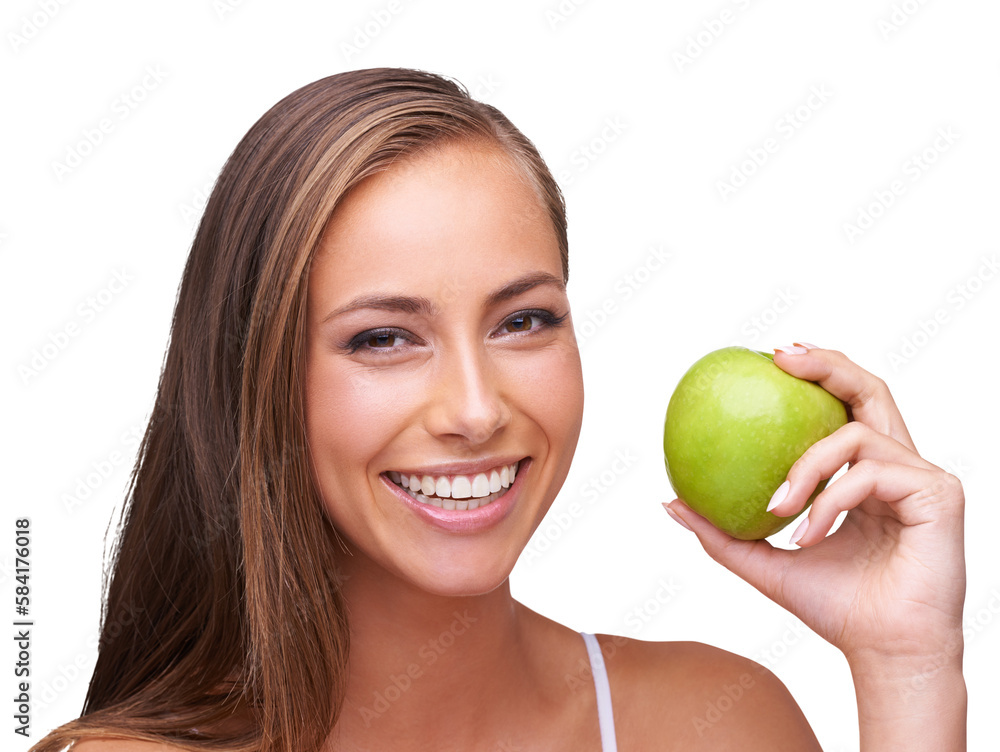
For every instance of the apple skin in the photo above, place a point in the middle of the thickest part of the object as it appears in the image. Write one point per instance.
(735, 425)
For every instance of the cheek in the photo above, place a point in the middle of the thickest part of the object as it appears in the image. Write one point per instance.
(351, 415)
(350, 419)
(556, 396)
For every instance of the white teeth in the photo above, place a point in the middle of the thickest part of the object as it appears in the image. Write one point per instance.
(425, 500)
(459, 492)
(457, 504)
(443, 487)
(461, 488)
(427, 485)
(480, 486)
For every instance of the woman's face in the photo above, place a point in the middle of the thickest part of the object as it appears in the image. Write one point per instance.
(441, 354)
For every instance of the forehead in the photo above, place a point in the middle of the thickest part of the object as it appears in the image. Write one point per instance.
(466, 175)
(457, 208)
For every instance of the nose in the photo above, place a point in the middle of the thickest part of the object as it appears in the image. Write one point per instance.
(468, 402)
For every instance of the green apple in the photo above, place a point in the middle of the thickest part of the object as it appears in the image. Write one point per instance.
(735, 425)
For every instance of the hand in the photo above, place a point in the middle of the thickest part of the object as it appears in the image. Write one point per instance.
(890, 582)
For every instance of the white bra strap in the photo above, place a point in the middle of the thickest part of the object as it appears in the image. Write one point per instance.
(605, 716)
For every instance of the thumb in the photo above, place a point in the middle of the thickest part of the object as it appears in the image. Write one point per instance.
(758, 562)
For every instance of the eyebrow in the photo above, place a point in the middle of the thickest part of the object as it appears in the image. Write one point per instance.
(415, 304)
(522, 285)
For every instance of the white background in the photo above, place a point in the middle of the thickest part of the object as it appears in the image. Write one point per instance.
(641, 139)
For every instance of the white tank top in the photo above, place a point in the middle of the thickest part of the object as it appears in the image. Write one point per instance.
(604, 715)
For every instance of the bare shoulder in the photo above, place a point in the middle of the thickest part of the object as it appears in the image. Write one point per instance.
(691, 696)
(120, 745)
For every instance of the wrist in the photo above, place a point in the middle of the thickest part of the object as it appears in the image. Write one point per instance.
(911, 701)
(910, 672)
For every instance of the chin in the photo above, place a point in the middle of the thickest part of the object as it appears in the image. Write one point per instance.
(458, 580)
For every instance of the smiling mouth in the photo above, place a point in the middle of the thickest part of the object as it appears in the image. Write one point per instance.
(457, 492)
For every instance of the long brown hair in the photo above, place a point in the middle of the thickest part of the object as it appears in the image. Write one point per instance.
(223, 624)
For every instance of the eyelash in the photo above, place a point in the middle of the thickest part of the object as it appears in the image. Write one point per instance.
(360, 341)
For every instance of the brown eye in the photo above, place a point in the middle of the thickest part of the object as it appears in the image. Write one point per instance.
(520, 323)
(390, 341)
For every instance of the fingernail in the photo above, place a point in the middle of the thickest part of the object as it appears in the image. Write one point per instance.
(807, 345)
(791, 349)
(799, 532)
(779, 496)
(676, 517)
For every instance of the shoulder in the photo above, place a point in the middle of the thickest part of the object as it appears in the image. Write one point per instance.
(120, 745)
(695, 696)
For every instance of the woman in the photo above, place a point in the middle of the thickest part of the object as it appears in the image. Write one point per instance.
(371, 397)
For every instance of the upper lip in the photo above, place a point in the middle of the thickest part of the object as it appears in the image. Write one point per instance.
(470, 467)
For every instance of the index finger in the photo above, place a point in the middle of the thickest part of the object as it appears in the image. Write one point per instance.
(866, 395)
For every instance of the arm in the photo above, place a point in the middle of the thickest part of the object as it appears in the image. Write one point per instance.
(911, 705)
(690, 696)
(893, 574)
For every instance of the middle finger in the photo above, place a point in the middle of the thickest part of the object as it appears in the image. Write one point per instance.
(850, 443)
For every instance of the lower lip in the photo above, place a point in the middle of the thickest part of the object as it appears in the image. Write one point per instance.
(465, 521)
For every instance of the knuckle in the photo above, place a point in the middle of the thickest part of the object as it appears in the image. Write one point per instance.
(872, 389)
(810, 454)
(882, 390)
(837, 354)
(855, 431)
(809, 462)
(866, 468)
(945, 494)
(948, 487)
